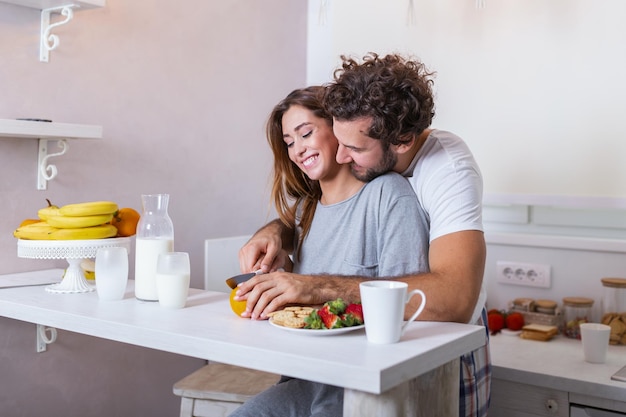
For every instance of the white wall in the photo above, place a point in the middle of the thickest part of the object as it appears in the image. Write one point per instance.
(577, 265)
(536, 87)
(182, 93)
(182, 90)
(580, 246)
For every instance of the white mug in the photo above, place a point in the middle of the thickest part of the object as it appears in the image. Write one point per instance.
(595, 338)
(111, 273)
(383, 305)
(172, 279)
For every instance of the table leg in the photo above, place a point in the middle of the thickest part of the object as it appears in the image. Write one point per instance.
(433, 393)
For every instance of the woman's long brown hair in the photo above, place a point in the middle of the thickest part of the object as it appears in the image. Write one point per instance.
(291, 188)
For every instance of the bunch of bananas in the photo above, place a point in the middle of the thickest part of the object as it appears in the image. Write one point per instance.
(89, 220)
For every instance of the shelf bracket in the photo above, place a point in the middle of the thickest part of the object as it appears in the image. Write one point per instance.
(45, 171)
(50, 41)
(42, 337)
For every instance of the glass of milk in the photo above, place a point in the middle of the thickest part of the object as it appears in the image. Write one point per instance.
(172, 279)
(111, 272)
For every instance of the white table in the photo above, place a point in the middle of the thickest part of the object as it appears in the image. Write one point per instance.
(378, 379)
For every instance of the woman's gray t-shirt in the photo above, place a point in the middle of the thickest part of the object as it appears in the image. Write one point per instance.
(381, 231)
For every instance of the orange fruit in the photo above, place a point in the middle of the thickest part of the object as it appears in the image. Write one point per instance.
(125, 220)
(238, 307)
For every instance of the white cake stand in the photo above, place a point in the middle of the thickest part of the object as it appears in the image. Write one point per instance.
(74, 251)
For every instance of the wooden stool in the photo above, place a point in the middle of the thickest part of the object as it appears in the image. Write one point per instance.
(217, 389)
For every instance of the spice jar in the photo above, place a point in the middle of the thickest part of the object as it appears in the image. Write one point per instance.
(576, 310)
(546, 307)
(524, 304)
(614, 308)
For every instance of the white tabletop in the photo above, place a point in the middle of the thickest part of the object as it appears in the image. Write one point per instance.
(208, 329)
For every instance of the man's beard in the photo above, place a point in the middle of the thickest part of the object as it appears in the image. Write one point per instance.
(387, 163)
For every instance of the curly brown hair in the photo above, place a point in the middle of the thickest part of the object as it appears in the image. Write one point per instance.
(291, 188)
(395, 92)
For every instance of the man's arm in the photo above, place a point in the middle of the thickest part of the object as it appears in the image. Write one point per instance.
(452, 286)
(266, 293)
(268, 248)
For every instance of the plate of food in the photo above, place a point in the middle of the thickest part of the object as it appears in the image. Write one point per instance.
(335, 317)
(318, 332)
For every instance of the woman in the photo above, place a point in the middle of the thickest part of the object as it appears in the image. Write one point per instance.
(344, 226)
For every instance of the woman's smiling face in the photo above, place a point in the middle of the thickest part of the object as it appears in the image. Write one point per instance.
(311, 143)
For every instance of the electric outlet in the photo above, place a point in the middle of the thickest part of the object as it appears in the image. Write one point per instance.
(529, 275)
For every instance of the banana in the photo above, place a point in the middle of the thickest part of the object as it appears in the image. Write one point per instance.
(67, 222)
(89, 268)
(38, 231)
(72, 222)
(92, 208)
(47, 212)
(95, 232)
(43, 231)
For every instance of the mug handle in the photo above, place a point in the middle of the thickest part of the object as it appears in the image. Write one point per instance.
(419, 310)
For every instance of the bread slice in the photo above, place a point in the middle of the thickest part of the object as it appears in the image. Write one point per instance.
(538, 332)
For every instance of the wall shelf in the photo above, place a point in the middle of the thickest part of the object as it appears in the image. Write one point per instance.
(49, 41)
(47, 4)
(569, 201)
(44, 131)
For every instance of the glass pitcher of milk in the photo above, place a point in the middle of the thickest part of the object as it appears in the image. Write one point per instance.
(155, 235)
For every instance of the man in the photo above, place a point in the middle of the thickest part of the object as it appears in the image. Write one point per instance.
(382, 110)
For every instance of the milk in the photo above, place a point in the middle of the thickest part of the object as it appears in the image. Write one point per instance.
(173, 289)
(146, 253)
(112, 272)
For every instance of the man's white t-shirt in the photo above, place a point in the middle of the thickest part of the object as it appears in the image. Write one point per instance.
(449, 186)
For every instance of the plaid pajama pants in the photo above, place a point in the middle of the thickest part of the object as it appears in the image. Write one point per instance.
(475, 384)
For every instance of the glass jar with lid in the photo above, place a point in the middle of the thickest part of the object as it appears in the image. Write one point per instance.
(576, 310)
(614, 308)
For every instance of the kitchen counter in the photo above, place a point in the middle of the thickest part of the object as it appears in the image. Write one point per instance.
(559, 365)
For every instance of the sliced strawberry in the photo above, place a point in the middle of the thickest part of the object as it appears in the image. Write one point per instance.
(330, 319)
(356, 311)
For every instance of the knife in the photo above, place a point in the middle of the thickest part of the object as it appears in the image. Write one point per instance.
(238, 279)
